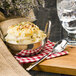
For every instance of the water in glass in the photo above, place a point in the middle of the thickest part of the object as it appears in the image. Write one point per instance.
(67, 14)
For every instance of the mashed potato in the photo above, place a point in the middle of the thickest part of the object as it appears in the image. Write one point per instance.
(24, 33)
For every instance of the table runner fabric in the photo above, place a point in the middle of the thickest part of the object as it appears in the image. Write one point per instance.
(47, 48)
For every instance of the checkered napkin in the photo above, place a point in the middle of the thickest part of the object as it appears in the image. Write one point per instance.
(48, 48)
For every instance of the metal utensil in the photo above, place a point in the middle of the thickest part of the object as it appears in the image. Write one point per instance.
(59, 46)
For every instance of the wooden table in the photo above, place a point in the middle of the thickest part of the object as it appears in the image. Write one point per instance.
(63, 65)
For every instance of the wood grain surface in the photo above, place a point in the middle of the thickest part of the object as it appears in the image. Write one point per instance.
(62, 65)
(8, 65)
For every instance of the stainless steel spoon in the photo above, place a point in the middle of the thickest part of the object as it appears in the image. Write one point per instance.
(59, 47)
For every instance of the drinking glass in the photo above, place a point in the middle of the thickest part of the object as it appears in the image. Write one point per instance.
(67, 15)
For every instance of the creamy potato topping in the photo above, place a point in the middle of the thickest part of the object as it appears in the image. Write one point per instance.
(24, 33)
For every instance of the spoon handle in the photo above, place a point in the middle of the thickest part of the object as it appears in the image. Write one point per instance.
(33, 65)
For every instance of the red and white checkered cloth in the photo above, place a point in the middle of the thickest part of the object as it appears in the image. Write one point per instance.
(48, 48)
(29, 52)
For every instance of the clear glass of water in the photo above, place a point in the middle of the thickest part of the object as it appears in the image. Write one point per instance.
(67, 15)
